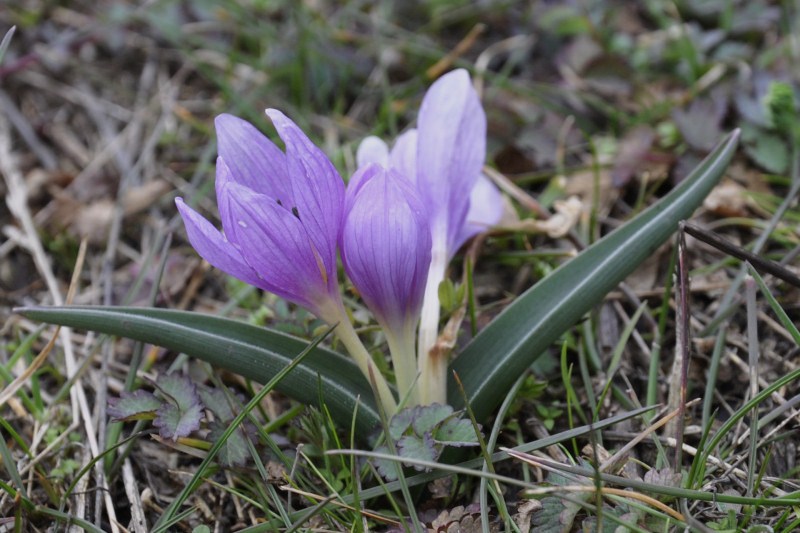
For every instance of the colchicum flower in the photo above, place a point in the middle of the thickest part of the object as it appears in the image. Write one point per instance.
(443, 158)
(386, 252)
(281, 217)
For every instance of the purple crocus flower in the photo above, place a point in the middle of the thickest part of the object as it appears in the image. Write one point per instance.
(386, 252)
(281, 214)
(443, 157)
(281, 219)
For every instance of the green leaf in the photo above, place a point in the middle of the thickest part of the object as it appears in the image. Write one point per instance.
(174, 422)
(216, 401)
(427, 417)
(421, 447)
(178, 389)
(181, 413)
(234, 451)
(139, 405)
(500, 353)
(456, 432)
(255, 353)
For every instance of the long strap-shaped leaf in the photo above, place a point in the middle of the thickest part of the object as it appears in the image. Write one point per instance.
(253, 352)
(496, 357)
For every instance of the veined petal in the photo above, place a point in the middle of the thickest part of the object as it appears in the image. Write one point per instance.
(357, 180)
(254, 161)
(485, 209)
(404, 155)
(318, 189)
(275, 243)
(372, 150)
(214, 247)
(386, 246)
(451, 150)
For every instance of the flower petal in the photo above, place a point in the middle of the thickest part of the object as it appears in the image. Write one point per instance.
(254, 161)
(404, 155)
(357, 181)
(372, 150)
(485, 210)
(214, 247)
(450, 151)
(386, 247)
(275, 243)
(318, 189)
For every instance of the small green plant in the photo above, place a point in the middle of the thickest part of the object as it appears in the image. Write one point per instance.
(422, 433)
(177, 408)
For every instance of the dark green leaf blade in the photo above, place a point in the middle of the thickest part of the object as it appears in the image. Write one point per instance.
(253, 352)
(497, 356)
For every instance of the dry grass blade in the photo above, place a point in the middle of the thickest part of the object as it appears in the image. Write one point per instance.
(39, 360)
(765, 265)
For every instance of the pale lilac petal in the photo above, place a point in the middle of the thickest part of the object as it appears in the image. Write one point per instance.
(451, 150)
(485, 209)
(357, 180)
(274, 242)
(386, 246)
(318, 189)
(372, 150)
(214, 247)
(254, 161)
(404, 155)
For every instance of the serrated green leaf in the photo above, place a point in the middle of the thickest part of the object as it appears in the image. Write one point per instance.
(173, 422)
(235, 451)
(217, 402)
(418, 447)
(389, 470)
(255, 353)
(400, 423)
(139, 405)
(456, 432)
(179, 390)
(556, 515)
(503, 350)
(427, 417)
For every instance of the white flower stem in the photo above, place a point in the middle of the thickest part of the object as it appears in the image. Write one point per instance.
(345, 332)
(432, 367)
(402, 345)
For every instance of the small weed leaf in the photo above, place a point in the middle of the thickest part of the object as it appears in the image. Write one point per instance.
(556, 515)
(173, 422)
(181, 410)
(179, 390)
(390, 470)
(589, 524)
(235, 451)
(414, 447)
(664, 476)
(400, 423)
(422, 432)
(217, 402)
(427, 417)
(139, 405)
(456, 432)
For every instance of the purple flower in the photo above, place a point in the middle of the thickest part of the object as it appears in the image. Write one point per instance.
(443, 158)
(386, 252)
(386, 245)
(281, 214)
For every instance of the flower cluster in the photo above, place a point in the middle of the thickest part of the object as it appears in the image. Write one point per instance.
(404, 214)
